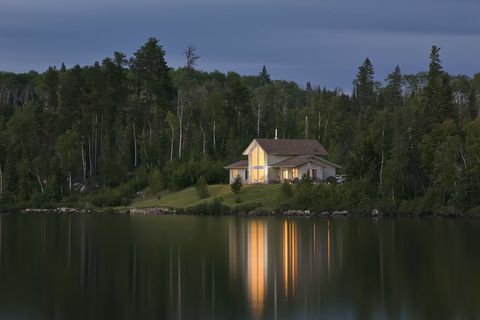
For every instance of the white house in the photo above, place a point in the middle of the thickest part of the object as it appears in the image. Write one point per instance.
(275, 160)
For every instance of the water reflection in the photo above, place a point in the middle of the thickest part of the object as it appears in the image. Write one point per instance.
(257, 263)
(121, 267)
(289, 257)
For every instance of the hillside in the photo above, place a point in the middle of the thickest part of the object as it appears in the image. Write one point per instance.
(267, 195)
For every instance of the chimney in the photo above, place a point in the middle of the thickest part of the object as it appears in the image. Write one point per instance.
(276, 134)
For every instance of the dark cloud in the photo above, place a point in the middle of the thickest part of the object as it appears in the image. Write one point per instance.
(303, 40)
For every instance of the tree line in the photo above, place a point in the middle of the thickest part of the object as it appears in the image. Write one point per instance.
(413, 139)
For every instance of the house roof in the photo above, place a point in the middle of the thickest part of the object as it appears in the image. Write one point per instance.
(238, 165)
(291, 147)
(302, 159)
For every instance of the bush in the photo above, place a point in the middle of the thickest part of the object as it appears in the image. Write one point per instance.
(121, 195)
(214, 208)
(237, 184)
(325, 198)
(202, 188)
(303, 194)
(183, 174)
(155, 182)
(287, 190)
(238, 199)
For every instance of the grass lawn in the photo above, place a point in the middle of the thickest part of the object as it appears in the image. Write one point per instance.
(267, 195)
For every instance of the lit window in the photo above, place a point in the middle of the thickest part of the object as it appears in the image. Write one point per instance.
(234, 173)
(258, 157)
(295, 173)
(285, 174)
(258, 175)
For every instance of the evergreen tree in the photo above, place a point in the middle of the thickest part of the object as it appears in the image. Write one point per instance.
(202, 188)
(237, 185)
(394, 99)
(264, 76)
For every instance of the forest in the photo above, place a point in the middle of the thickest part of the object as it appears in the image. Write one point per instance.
(102, 132)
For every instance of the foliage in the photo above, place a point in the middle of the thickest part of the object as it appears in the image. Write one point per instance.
(411, 141)
(213, 208)
(121, 195)
(155, 181)
(202, 188)
(303, 192)
(237, 184)
(287, 190)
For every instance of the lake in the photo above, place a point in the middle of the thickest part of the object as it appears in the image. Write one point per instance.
(191, 267)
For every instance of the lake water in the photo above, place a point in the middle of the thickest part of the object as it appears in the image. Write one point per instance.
(190, 267)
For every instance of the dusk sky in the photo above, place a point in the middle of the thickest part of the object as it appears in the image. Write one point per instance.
(321, 41)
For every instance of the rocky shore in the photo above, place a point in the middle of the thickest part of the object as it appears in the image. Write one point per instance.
(375, 213)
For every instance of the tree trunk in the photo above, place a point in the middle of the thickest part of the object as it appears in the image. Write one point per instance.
(135, 162)
(214, 136)
(383, 153)
(204, 136)
(70, 181)
(325, 133)
(84, 165)
(39, 180)
(90, 159)
(171, 143)
(180, 109)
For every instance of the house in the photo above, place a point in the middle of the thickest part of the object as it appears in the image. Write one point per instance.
(275, 160)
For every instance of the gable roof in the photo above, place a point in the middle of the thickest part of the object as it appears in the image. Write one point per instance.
(302, 159)
(238, 165)
(291, 147)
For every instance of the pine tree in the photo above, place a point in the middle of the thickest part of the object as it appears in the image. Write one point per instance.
(202, 188)
(364, 86)
(237, 185)
(264, 76)
(393, 90)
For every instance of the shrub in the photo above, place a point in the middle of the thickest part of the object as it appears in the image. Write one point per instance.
(287, 190)
(325, 198)
(214, 208)
(121, 195)
(303, 194)
(237, 184)
(202, 188)
(238, 199)
(182, 174)
(155, 182)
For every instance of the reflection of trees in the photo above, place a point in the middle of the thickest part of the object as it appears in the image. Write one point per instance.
(123, 267)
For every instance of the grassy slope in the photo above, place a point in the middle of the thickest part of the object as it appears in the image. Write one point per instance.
(267, 195)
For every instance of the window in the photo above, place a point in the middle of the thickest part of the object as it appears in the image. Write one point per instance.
(234, 173)
(295, 173)
(258, 157)
(257, 163)
(285, 174)
(246, 174)
(258, 175)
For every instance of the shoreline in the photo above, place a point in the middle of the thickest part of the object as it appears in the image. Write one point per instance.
(166, 211)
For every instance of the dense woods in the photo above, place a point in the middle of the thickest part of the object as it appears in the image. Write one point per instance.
(411, 141)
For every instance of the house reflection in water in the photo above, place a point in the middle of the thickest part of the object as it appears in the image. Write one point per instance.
(288, 252)
(257, 264)
(289, 257)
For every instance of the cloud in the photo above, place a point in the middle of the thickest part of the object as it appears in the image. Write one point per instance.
(303, 40)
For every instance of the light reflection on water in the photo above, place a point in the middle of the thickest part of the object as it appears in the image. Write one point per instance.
(149, 267)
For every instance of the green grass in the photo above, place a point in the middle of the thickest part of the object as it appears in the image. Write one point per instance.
(267, 195)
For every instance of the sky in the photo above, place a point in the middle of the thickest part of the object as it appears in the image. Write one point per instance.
(321, 41)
